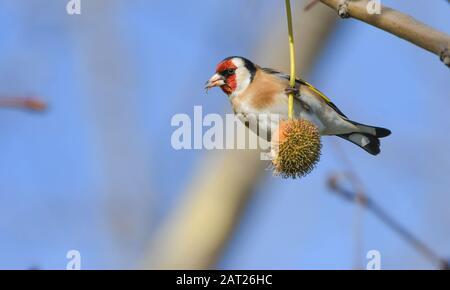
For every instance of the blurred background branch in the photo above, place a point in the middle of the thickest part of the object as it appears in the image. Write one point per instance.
(359, 197)
(27, 103)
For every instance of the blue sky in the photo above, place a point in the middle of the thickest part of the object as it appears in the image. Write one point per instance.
(97, 173)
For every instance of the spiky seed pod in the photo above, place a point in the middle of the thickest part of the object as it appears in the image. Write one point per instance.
(295, 148)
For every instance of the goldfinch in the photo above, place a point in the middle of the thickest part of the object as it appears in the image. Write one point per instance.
(253, 90)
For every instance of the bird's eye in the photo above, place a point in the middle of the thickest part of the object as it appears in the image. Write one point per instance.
(228, 72)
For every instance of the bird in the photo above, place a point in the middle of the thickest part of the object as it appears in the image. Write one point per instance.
(254, 91)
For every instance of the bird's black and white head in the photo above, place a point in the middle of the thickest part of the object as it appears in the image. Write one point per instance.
(233, 75)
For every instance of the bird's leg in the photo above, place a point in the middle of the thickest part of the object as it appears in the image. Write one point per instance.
(296, 92)
(291, 90)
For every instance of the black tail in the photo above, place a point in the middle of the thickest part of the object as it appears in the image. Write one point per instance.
(367, 138)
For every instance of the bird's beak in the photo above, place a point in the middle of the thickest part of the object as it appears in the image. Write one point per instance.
(215, 81)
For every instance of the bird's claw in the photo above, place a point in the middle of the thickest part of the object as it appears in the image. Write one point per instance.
(291, 90)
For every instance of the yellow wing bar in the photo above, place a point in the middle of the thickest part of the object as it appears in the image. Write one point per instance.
(317, 91)
(327, 100)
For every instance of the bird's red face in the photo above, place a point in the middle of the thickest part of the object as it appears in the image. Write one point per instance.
(225, 77)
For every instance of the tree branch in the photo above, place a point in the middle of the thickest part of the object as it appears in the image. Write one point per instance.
(397, 23)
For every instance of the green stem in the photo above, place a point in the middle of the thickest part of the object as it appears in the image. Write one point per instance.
(292, 58)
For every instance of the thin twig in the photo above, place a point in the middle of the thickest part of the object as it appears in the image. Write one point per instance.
(28, 103)
(291, 58)
(397, 23)
(368, 203)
